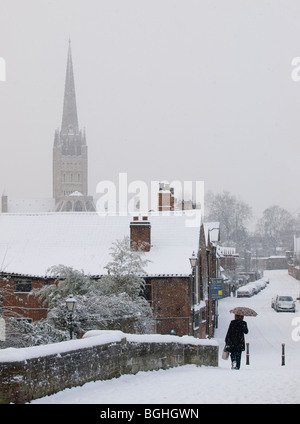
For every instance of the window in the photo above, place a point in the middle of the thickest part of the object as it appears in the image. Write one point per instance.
(29, 320)
(23, 286)
(78, 206)
(148, 292)
(196, 320)
(69, 206)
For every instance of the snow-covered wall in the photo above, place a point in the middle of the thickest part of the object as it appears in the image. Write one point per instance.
(294, 271)
(30, 373)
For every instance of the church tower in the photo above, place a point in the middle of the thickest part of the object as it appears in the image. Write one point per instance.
(70, 155)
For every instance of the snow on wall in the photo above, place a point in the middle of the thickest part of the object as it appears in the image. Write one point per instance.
(31, 373)
(94, 338)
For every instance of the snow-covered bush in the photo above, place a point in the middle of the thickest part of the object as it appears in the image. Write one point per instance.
(115, 301)
(22, 333)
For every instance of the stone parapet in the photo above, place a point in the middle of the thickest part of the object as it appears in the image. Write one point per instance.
(35, 372)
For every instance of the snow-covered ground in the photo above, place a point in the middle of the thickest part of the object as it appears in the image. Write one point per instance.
(265, 380)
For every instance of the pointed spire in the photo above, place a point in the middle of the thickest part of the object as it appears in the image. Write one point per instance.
(69, 119)
(56, 137)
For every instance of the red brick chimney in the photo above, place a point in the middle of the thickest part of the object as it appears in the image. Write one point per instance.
(140, 234)
(165, 197)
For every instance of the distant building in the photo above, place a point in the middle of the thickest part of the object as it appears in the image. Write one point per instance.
(70, 155)
(19, 205)
(70, 164)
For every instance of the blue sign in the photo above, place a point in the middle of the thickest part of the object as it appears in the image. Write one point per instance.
(216, 288)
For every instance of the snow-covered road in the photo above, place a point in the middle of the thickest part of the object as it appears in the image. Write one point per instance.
(265, 380)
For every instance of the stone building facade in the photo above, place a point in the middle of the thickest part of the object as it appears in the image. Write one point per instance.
(70, 155)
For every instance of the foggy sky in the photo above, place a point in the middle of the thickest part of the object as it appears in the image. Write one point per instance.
(166, 90)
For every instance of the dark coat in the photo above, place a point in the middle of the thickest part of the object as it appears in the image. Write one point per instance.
(235, 340)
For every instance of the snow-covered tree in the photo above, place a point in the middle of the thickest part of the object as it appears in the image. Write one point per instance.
(67, 281)
(22, 333)
(126, 270)
(115, 301)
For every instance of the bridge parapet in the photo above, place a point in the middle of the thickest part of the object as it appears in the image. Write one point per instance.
(38, 371)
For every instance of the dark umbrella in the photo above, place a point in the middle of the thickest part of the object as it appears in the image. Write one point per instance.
(242, 310)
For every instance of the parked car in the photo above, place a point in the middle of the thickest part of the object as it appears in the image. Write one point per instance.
(262, 284)
(245, 291)
(254, 287)
(284, 304)
(266, 279)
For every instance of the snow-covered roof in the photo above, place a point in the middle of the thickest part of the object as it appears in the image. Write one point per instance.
(76, 193)
(226, 251)
(31, 243)
(25, 205)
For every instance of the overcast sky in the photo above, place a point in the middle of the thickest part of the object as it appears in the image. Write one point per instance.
(166, 90)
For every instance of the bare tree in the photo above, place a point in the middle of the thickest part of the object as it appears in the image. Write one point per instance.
(276, 229)
(233, 215)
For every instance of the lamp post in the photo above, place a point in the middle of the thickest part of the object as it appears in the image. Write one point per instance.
(70, 303)
(193, 262)
(214, 272)
(214, 266)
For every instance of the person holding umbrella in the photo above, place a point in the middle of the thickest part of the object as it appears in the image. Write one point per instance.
(235, 339)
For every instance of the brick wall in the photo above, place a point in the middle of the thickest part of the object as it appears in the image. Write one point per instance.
(172, 305)
(31, 373)
(140, 234)
(294, 272)
(20, 304)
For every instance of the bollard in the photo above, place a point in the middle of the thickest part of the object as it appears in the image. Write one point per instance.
(283, 354)
(247, 354)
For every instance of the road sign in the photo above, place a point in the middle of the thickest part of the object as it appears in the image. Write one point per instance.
(216, 288)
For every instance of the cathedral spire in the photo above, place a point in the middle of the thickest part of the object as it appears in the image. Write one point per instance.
(69, 120)
(70, 155)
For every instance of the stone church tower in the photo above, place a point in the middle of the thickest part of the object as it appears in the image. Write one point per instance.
(70, 155)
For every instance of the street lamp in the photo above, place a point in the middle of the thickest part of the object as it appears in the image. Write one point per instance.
(193, 262)
(70, 303)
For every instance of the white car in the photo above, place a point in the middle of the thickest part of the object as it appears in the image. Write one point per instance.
(266, 279)
(245, 291)
(254, 287)
(284, 304)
